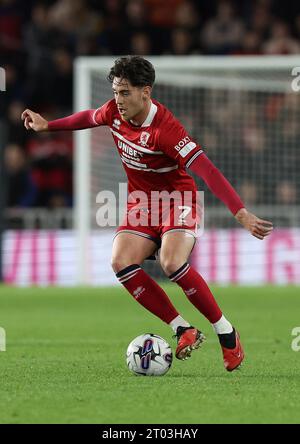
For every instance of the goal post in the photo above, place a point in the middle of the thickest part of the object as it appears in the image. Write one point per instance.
(244, 111)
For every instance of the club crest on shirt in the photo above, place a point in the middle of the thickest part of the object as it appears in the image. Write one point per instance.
(144, 138)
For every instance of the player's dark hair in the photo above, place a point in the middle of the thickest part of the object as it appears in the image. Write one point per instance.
(136, 69)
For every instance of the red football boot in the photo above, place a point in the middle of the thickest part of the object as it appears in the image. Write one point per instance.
(188, 339)
(233, 357)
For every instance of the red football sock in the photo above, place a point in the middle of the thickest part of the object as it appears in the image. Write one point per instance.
(147, 292)
(197, 291)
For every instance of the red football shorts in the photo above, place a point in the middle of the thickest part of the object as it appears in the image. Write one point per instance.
(153, 221)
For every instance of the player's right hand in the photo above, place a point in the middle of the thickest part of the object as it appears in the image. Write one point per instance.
(34, 121)
(259, 228)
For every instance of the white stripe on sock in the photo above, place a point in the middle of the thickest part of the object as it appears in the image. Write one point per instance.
(180, 274)
(130, 272)
(122, 280)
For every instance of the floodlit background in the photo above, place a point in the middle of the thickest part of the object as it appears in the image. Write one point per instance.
(251, 132)
(230, 71)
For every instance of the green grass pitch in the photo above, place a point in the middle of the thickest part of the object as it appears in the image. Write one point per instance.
(65, 359)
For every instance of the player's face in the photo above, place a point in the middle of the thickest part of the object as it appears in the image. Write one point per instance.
(131, 100)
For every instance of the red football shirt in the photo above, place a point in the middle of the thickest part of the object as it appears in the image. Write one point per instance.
(155, 154)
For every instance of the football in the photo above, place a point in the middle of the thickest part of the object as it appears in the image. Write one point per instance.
(149, 355)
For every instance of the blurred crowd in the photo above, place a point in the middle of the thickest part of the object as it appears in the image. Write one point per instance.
(254, 137)
(39, 40)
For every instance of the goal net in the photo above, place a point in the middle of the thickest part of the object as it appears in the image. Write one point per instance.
(243, 111)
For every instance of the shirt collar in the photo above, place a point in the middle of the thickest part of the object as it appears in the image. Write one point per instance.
(151, 115)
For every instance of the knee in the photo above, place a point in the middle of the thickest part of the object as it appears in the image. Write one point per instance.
(118, 263)
(170, 265)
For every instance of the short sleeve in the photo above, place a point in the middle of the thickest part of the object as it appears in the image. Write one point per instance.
(102, 114)
(177, 143)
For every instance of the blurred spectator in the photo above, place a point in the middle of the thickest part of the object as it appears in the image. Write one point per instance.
(223, 33)
(10, 26)
(251, 44)
(181, 42)
(21, 190)
(186, 15)
(137, 15)
(39, 40)
(289, 135)
(58, 199)
(254, 139)
(51, 157)
(75, 18)
(260, 20)
(62, 80)
(210, 141)
(140, 44)
(115, 34)
(253, 156)
(141, 36)
(281, 41)
(81, 26)
(286, 193)
(16, 133)
(249, 192)
(162, 13)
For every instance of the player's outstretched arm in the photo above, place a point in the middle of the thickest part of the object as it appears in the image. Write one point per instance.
(34, 121)
(78, 121)
(258, 227)
(219, 185)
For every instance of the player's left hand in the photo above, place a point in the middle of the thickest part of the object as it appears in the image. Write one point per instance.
(258, 227)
